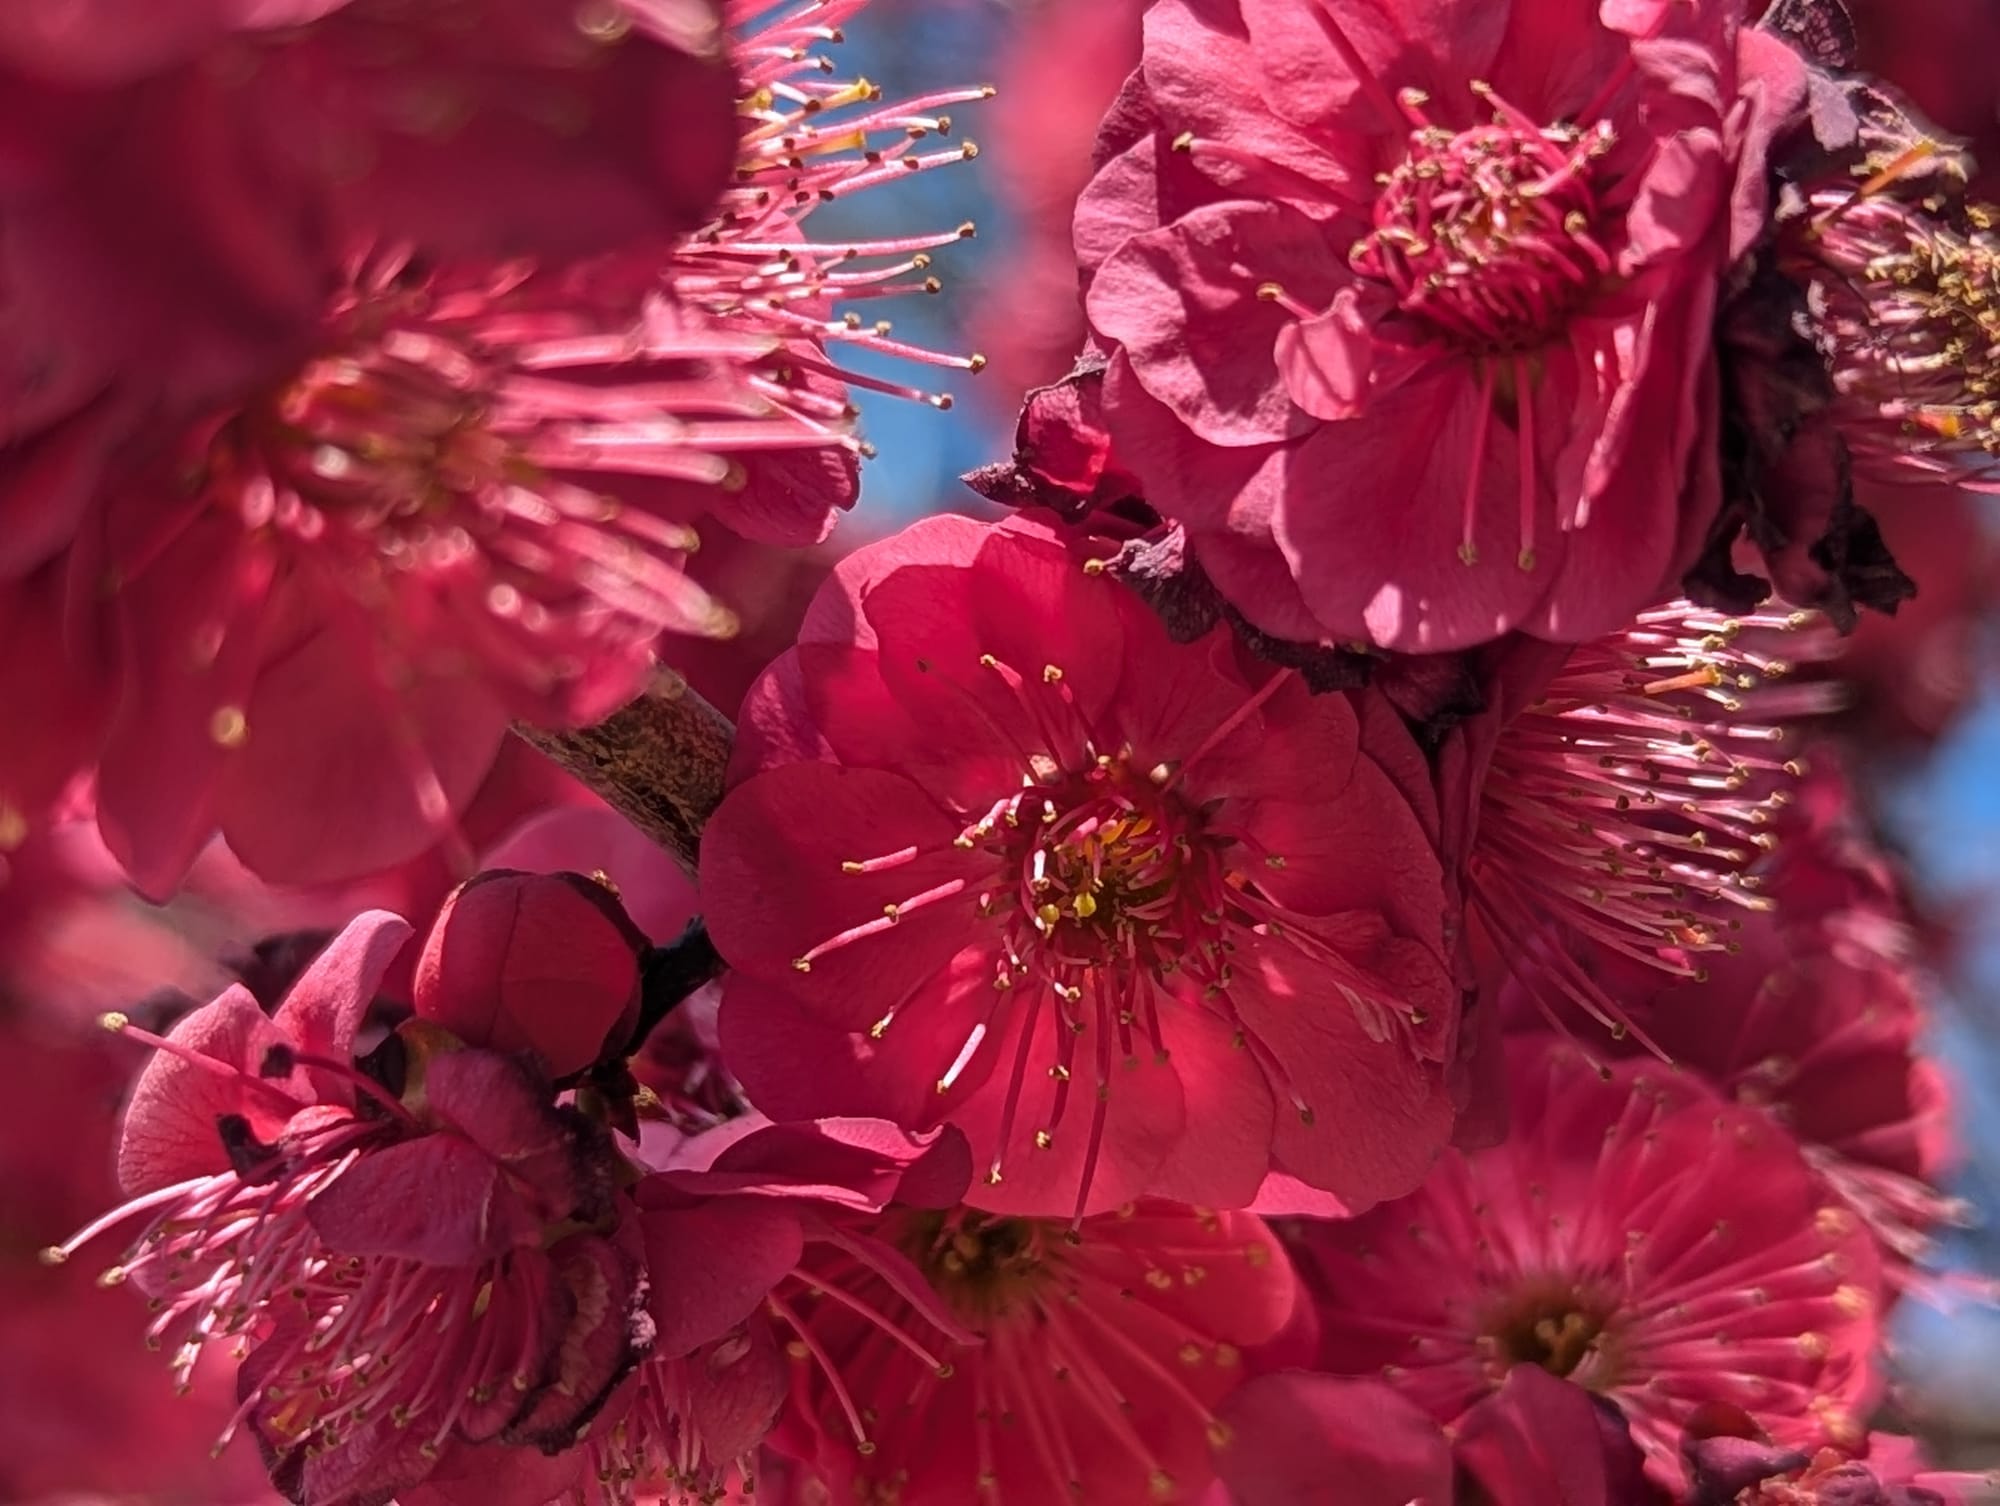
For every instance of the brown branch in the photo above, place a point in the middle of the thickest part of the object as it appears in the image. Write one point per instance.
(659, 761)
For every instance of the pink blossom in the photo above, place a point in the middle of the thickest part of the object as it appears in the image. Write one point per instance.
(413, 1252)
(1412, 301)
(1000, 853)
(311, 653)
(1105, 1352)
(1635, 1235)
(1813, 1021)
(1300, 1439)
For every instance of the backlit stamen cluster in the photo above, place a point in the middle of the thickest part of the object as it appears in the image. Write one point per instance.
(810, 140)
(340, 1343)
(217, 1252)
(1632, 802)
(1906, 289)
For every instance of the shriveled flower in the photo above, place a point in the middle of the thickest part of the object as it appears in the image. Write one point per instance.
(1412, 298)
(1636, 1235)
(470, 500)
(1002, 854)
(1105, 1353)
(1884, 1470)
(408, 1254)
(1623, 794)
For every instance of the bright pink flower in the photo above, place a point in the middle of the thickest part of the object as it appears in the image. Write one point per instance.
(1001, 853)
(1622, 794)
(1635, 1235)
(1298, 1439)
(1105, 1353)
(1412, 301)
(411, 1252)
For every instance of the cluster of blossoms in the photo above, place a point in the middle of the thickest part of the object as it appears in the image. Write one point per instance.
(1307, 964)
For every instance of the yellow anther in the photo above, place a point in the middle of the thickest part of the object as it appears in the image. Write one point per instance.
(228, 727)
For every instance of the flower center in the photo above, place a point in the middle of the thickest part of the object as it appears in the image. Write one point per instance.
(1558, 1326)
(387, 430)
(1485, 234)
(982, 1265)
(1113, 873)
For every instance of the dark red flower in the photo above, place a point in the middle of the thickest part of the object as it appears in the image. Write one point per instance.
(1001, 853)
(547, 963)
(1412, 301)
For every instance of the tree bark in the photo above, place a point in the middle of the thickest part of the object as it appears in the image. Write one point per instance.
(658, 761)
